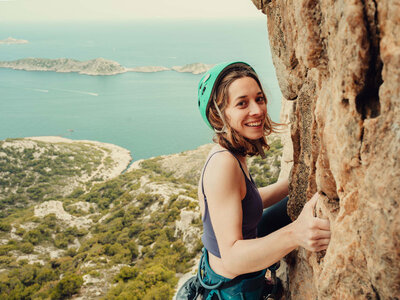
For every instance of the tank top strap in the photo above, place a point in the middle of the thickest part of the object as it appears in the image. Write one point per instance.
(202, 175)
(240, 165)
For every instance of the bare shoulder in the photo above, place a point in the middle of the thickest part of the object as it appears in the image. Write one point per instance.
(222, 168)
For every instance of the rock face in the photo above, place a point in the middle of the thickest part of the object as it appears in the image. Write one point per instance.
(339, 61)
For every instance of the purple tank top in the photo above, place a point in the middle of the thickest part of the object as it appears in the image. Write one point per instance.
(252, 211)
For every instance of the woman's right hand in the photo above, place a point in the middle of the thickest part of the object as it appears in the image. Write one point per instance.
(311, 232)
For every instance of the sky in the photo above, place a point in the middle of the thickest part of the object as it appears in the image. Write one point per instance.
(123, 10)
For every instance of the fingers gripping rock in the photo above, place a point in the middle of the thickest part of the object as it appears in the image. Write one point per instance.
(313, 232)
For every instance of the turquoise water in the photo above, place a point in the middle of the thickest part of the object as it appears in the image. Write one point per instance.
(148, 113)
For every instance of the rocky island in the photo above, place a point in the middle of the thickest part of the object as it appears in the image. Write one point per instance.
(196, 68)
(97, 66)
(148, 69)
(11, 41)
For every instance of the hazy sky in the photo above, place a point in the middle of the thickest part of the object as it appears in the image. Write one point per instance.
(75, 10)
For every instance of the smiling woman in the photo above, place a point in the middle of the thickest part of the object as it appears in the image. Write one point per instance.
(240, 99)
(246, 109)
(246, 228)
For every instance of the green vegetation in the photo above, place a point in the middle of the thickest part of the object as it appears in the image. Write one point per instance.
(266, 171)
(36, 173)
(128, 225)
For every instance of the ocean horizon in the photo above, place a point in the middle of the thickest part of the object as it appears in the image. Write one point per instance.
(149, 114)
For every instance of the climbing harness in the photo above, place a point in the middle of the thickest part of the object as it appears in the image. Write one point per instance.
(243, 287)
(190, 290)
(275, 282)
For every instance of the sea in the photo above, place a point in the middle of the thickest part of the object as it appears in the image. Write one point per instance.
(149, 114)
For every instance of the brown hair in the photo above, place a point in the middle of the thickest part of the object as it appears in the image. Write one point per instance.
(231, 139)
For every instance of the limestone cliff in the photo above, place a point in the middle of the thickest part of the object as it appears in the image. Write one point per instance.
(339, 63)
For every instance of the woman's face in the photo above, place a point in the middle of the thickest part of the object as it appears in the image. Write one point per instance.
(246, 109)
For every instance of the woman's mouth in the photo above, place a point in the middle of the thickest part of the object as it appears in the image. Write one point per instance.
(254, 124)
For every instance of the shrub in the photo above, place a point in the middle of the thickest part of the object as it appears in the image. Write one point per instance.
(6, 260)
(5, 227)
(134, 229)
(76, 193)
(46, 274)
(71, 252)
(126, 273)
(74, 231)
(20, 231)
(133, 248)
(67, 286)
(159, 291)
(50, 220)
(5, 249)
(146, 199)
(26, 248)
(61, 241)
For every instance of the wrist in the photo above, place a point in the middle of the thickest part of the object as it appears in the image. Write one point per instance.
(293, 234)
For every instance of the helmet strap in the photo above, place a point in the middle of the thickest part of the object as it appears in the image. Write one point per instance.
(260, 149)
(224, 128)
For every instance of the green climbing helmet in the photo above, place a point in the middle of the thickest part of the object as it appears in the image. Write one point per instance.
(209, 82)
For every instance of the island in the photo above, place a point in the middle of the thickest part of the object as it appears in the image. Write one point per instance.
(148, 69)
(196, 68)
(97, 66)
(11, 40)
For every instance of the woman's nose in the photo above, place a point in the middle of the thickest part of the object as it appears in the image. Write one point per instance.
(254, 108)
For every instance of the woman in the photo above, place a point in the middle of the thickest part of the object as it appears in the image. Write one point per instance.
(233, 104)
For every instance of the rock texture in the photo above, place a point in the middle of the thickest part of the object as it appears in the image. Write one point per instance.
(339, 61)
(56, 208)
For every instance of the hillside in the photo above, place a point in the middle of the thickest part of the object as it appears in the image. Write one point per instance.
(135, 234)
(41, 168)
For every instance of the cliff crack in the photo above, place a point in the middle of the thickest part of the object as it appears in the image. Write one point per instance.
(377, 297)
(367, 101)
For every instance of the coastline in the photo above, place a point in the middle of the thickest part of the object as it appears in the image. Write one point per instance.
(121, 157)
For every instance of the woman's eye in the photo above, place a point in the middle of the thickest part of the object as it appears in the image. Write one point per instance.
(260, 99)
(241, 103)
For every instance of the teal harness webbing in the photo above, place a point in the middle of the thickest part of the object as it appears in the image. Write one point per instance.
(246, 286)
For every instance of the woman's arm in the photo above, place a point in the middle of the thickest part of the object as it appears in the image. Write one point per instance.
(223, 183)
(275, 192)
(306, 231)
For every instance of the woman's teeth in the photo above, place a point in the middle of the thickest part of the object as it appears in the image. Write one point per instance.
(254, 124)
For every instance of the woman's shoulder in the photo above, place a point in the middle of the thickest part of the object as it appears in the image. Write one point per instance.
(222, 174)
(221, 155)
(221, 162)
